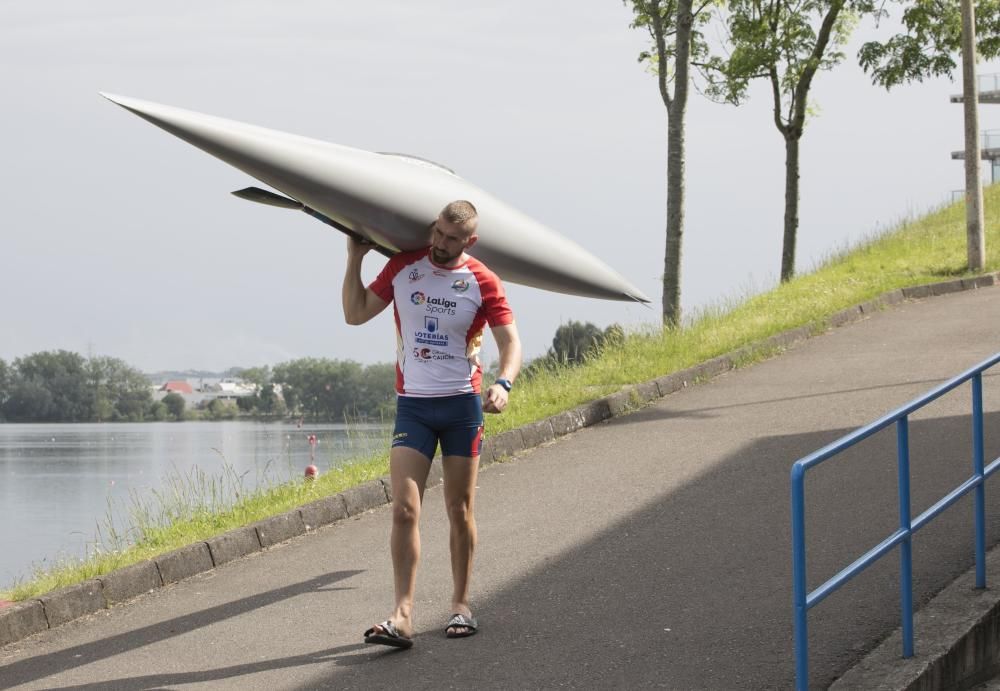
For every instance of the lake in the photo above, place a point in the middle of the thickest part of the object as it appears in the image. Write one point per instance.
(60, 482)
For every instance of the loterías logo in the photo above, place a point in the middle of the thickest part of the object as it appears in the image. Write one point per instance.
(418, 298)
(460, 285)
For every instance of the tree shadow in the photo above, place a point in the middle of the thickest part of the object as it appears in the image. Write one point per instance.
(693, 590)
(655, 413)
(32, 668)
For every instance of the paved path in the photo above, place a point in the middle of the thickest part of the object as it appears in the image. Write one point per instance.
(649, 551)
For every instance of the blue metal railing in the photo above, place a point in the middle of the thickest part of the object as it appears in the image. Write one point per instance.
(803, 601)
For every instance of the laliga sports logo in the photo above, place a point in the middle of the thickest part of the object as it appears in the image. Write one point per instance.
(418, 298)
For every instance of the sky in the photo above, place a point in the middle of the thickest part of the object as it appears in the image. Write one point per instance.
(118, 239)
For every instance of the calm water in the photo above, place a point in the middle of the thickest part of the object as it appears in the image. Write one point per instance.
(57, 482)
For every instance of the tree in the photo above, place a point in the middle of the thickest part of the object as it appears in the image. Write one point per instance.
(932, 41)
(258, 376)
(377, 397)
(175, 404)
(936, 32)
(5, 381)
(575, 341)
(63, 377)
(219, 409)
(29, 401)
(157, 411)
(785, 42)
(671, 63)
(332, 389)
(268, 401)
(119, 391)
(60, 386)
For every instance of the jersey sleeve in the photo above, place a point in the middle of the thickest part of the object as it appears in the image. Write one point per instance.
(495, 305)
(382, 285)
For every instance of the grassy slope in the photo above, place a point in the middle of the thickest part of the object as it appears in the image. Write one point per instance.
(926, 250)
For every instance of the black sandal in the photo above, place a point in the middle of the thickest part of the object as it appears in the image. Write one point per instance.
(389, 635)
(458, 620)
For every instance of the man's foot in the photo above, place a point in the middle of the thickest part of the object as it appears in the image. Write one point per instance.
(386, 633)
(460, 626)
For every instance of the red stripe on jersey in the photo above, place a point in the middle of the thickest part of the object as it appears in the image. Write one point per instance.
(382, 285)
(495, 308)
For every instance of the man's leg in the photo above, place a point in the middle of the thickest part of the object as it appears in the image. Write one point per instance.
(460, 473)
(408, 470)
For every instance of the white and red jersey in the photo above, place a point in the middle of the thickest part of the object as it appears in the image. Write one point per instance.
(440, 315)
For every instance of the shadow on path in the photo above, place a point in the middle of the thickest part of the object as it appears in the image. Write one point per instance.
(693, 590)
(39, 667)
(663, 412)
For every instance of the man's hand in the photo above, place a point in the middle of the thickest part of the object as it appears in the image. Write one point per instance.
(356, 249)
(496, 399)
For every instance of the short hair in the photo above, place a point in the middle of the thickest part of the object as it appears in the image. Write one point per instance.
(459, 212)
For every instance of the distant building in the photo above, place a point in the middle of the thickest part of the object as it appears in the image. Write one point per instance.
(177, 386)
(207, 390)
(229, 389)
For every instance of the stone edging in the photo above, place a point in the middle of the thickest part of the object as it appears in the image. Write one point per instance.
(23, 619)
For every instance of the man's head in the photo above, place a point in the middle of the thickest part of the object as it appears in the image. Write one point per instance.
(453, 232)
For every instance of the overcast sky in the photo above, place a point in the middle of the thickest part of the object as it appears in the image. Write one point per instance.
(119, 239)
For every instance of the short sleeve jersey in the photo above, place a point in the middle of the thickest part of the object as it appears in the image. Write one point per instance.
(440, 316)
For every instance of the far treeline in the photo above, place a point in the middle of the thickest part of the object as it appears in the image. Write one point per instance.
(62, 386)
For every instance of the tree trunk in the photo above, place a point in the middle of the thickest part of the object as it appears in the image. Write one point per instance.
(676, 109)
(675, 221)
(791, 204)
(974, 222)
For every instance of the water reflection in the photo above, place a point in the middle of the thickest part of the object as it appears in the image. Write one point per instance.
(57, 481)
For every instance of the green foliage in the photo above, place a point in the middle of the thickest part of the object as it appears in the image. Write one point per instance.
(175, 405)
(4, 385)
(785, 42)
(258, 376)
(334, 390)
(575, 342)
(931, 42)
(219, 409)
(158, 412)
(50, 387)
(60, 386)
(659, 19)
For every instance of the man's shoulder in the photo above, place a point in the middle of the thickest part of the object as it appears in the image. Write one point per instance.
(410, 256)
(481, 271)
(401, 260)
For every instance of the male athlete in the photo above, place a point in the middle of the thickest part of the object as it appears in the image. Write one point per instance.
(442, 300)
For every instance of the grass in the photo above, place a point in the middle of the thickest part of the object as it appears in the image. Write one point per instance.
(925, 250)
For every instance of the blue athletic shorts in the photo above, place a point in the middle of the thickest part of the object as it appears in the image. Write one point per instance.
(455, 421)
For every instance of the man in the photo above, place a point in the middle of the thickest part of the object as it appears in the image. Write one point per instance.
(442, 300)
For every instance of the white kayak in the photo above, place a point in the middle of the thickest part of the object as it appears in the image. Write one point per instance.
(389, 199)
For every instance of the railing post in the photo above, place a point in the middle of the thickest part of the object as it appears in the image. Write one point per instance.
(799, 608)
(979, 505)
(905, 547)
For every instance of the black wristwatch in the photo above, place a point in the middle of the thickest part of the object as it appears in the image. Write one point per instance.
(507, 384)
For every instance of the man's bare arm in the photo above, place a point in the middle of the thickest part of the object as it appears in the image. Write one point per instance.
(360, 303)
(509, 345)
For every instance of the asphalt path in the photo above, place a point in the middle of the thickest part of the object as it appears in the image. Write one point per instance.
(652, 550)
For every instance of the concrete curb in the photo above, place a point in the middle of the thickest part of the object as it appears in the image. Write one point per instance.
(27, 618)
(956, 640)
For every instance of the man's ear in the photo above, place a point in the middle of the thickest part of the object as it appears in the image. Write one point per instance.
(471, 241)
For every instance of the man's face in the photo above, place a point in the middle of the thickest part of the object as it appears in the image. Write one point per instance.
(449, 240)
